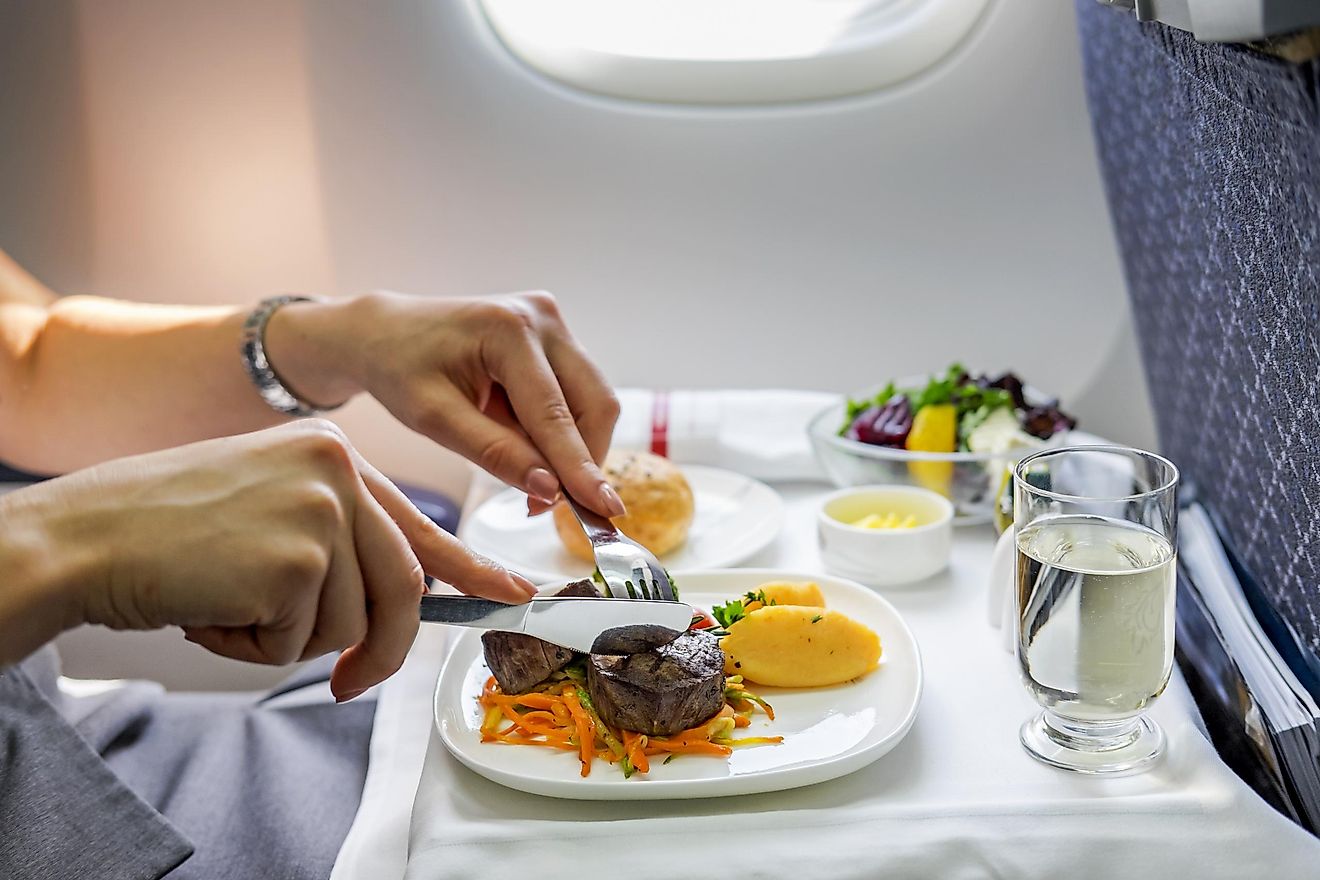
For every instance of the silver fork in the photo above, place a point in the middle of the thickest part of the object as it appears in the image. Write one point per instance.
(630, 570)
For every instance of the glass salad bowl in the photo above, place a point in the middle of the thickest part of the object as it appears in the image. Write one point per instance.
(971, 480)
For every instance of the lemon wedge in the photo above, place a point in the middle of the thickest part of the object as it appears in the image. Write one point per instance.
(934, 429)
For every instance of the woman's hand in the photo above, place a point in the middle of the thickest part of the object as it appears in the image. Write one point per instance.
(268, 547)
(499, 380)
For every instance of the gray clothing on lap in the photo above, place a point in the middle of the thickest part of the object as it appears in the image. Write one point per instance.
(62, 811)
(130, 783)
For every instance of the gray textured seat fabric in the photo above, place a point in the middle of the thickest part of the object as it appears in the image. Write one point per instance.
(1211, 159)
(128, 784)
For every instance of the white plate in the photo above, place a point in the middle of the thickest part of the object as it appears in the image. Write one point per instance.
(735, 517)
(828, 732)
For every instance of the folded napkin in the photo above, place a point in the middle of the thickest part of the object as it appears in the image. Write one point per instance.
(762, 433)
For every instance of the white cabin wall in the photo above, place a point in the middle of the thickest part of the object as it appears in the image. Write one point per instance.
(245, 148)
(826, 245)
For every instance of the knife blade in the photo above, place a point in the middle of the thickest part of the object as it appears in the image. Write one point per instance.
(601, 626)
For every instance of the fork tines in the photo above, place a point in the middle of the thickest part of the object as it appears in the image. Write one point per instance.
(645, 583)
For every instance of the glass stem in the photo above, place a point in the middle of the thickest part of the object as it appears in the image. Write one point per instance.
(1092, 736)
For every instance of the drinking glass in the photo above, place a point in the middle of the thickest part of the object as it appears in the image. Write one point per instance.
(1096, 535)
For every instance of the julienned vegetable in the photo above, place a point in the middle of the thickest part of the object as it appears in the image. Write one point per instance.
(559, 714)
(955, 404)
(780, 634)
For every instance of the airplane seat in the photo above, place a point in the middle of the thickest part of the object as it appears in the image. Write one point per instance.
(1211, 152)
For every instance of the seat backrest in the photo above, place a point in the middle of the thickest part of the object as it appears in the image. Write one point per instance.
(1211, 156)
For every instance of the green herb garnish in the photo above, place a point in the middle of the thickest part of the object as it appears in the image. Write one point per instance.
(729, 613)
(817, 619)
(734, 610)
(940, 389)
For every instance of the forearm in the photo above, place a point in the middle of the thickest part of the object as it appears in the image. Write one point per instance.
(37, 578)
(88, 379)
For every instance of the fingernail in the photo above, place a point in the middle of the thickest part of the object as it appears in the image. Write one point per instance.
(610, 500)
(349, 695)
(542, 484)
(524, 584)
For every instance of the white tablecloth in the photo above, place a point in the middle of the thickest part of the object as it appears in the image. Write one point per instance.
(957, 798)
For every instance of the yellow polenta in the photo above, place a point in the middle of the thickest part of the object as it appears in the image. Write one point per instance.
(788, 593)
(799, 646)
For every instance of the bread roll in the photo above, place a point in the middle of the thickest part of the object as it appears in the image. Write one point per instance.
(658, 498)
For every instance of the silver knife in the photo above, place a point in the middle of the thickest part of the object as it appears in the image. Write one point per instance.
(599, 626)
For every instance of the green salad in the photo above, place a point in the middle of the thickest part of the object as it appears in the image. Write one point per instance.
(954, 411)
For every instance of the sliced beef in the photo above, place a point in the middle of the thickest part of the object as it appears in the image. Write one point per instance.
(634, 639)
(660, 692)
(520, 662)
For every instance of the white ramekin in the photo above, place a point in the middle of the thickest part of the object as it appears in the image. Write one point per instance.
(885, 557)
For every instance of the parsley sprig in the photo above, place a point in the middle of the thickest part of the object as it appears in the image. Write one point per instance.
(734, 610)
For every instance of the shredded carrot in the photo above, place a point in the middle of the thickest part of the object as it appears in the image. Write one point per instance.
(533, 701)
(586, 735)
(558, 715)
(634, 748)
(540, 715)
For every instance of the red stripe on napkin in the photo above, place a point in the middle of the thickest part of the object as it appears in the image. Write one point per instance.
(660, 424)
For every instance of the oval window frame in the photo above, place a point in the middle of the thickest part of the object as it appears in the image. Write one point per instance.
(888, 42)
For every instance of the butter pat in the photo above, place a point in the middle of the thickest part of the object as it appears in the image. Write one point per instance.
(884, 535)
(888, 520)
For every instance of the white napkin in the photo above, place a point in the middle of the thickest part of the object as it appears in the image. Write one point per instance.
(762, 434)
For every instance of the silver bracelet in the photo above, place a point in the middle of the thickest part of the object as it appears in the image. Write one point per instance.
(253, 350)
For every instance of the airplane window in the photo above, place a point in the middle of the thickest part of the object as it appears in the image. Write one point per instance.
(732, 51)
